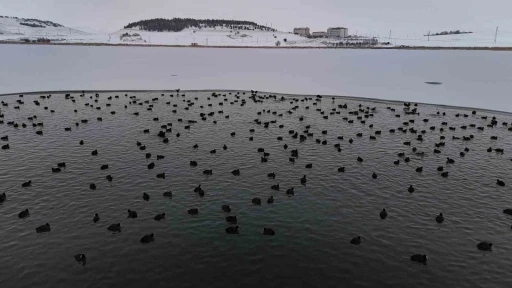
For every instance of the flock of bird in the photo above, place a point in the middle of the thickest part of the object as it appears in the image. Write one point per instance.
(358, 113)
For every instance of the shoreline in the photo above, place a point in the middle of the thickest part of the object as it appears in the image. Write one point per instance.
(401, 47)
(352, 98)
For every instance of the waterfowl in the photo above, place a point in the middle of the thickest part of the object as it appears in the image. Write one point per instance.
(359, 159)
(27, 184)
(269, 231)
(208, 172)
(159, 157)
(92, 186)
(500, 183)
(341, 169)
(484, 246)
(271, 175)
(23, 214)
(231, 219)
(407, 160)
(444, 174)
(159, 217)
(145, 196)
(383, 214)
(132, 214)
(225, 147)
(195, 146)
(193, 163)
(109, 178)
(81, 142)
(114, 227)
(147, 238)
(160, 175)
(356, 240)
(270, 200)
(236, 172)
(290, 192)
(256, 201)
(167, 194)
(275, 187)
(309, 166)
(419, 258)
(56, 170)
(508, 211)
(213, 151)
(94, 153)
(489, 149)
(43, 228)
(303, 180)
(61, 165)
(397, 162)
(80, 258)
(374, 175)
(411, 189)
(440, 218)
(419, 169)
(449, 160)
(104, 167)
(226, 208)
(148, 155)
(193, 211)
(233, 230)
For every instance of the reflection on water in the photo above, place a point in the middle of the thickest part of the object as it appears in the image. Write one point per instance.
(313, 228)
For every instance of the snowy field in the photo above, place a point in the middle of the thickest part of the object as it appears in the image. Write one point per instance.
(478, 79)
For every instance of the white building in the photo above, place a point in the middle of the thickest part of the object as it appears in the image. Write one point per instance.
(320, 34)
(302, 31)
(337, 32)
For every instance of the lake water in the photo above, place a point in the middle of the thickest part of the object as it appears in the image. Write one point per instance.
(313, 228)
(479, 79)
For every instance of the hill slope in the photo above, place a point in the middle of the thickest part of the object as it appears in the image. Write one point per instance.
(14, 28)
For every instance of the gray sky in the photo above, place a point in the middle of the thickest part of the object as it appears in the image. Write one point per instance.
(365, 16)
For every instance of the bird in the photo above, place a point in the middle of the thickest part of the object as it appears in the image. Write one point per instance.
(145, 196)
(359, 159)
(236, 172)
(193, 211)
(231, 219)
(56, 170)
(271, 175)
(96, 218)
(109, 178)
(303, 180)
(270, 200)
(383, 214)
(159, 217)
(309, 166)
(193, 163)
(374, 175)
(23, 214)
(269, 231)
(419, 258)
(92, 186)
(484, 246)
(419, 169)
(43, 228)
(440, 168)
(440, 218)
(411, 189)
(508, 211)
(114, 227)
(147, 238)
(27, 184)
(151, 165)
(167, 194)
(397, 162)
(341, 169)
(233, 230)
(500, 183)
(3, 197)
(80, 258)
(225, 147)
(256, 201)
(94, 153)
(104, 167)
(356, 240)
(61, 165)
(449, 160)
(132, 214)
(160, 175)
(290, 192)
(226, 208)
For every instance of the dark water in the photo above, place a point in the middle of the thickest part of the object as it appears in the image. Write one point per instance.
(313, 229)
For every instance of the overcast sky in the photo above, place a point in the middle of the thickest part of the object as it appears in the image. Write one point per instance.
(364, 16)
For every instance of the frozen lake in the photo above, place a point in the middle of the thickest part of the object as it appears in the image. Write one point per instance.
(469, 78)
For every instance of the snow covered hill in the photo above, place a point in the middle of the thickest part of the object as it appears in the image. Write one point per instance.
(20, 29)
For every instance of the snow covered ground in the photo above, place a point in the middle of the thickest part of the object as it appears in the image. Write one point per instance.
(478, 79)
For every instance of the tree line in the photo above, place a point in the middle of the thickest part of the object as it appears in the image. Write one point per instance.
(178, 24)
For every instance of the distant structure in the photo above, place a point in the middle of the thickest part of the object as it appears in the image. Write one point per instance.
(302, 31)
(320, 34)
(337, 32)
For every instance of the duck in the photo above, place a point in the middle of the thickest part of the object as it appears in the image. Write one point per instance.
(397, 162)
(356, 240)
(27, 184)
(92, 186)
(419, 258)
(160, 157)
(151, 165)
(81, 142)
(94, 153)
(226, 208)
(109, 178)
(167, 194)
(303, 180)
(147, 238)
(160, 175)
(484, 246)
(275, 187)
(148, 155)
(145, 196)
(500, 183)
(56, 170)
(256, 201)
(440, 218)
(450, 161)
(193, 163)
(195, 146)
(159, 217)
(213, 151)
(383, 214)
(43, 228)
(445, 174)
(193, 211)
(419, 169)
(96, 218)
(359, 159)
(407, 159)
(23, 214)
(341, 169)
(290, 192)
(309, 166)
(233, 230)
(80, 258)
(374, 175)
(269, 231)
(6, 147)
(225, 147)
(440, 168)
(5, 138)
(236, 172)
(270, 200)
(208, 172)
(104, 167)
(61, 165)
(231, 219)
(132, 214)
(411, 189)
(114, 227)
(271, 175)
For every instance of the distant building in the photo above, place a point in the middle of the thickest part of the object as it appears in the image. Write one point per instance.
(302, 31)
(320, 34)
(337, 32)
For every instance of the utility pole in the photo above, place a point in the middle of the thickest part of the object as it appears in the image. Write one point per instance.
(389, 34)
(428, 35)
(496, 35)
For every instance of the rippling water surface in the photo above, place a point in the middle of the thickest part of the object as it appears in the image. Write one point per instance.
(313, 229)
